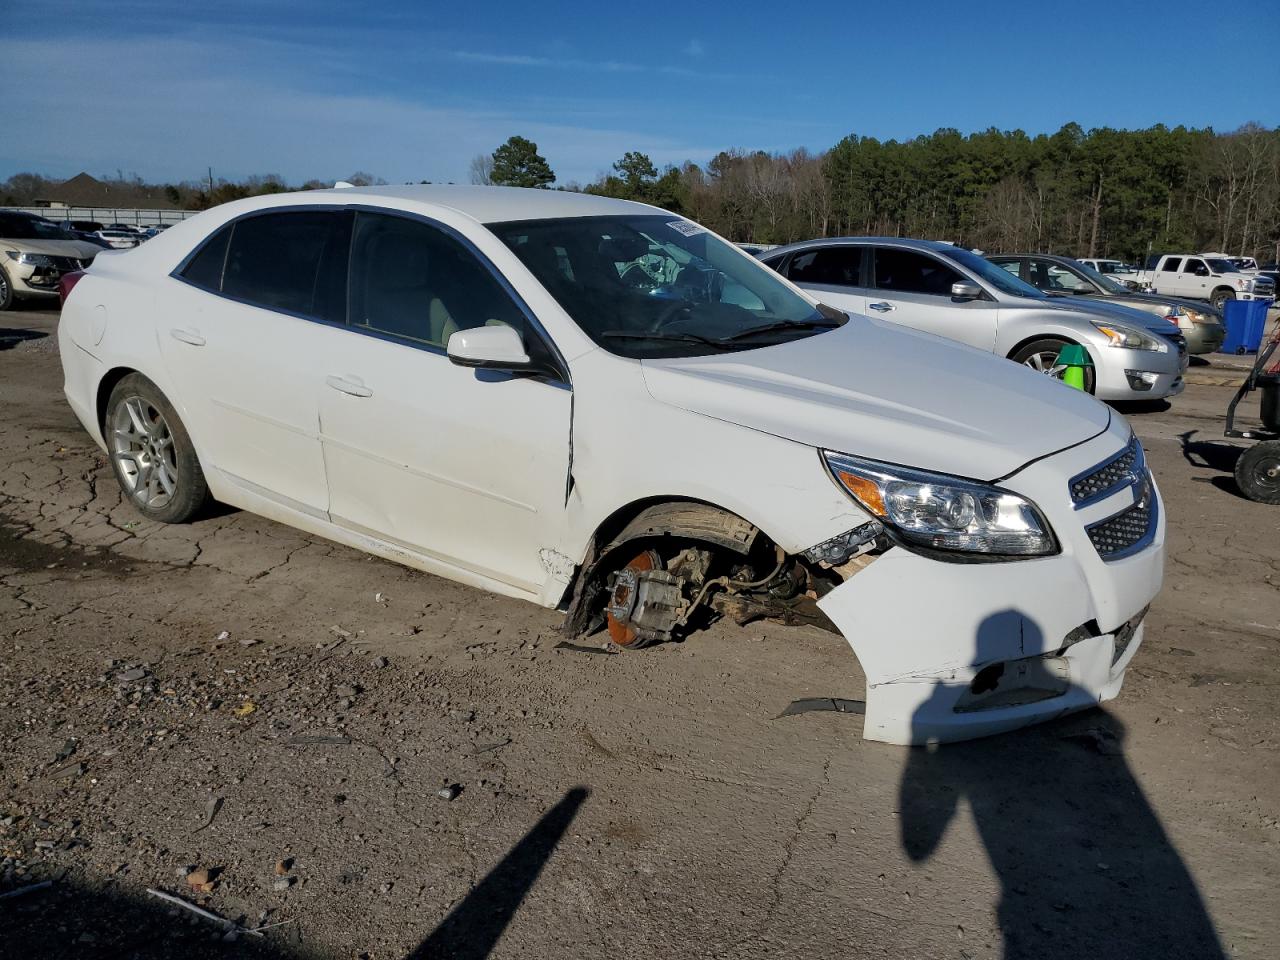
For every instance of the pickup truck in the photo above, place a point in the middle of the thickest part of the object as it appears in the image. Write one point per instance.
(1198, 277)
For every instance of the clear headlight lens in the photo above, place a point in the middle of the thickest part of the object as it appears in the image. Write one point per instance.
(30, 259)
(1131, 338)
(941, 512)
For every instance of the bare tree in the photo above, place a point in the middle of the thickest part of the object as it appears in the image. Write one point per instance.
(482, 169)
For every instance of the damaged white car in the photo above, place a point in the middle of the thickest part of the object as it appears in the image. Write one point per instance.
(602, 407)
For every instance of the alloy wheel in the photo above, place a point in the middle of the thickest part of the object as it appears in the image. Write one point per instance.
(142, 447)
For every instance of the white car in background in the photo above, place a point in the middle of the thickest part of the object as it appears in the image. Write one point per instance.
(601, 407)
(1117, 270)
(119, 239)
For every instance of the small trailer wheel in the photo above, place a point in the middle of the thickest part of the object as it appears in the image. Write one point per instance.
(1258, 472)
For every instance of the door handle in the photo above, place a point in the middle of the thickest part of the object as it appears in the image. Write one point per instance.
(349, 387)
(187, 336)
(881, 307)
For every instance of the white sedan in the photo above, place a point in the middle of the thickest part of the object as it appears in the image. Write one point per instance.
(602, 407)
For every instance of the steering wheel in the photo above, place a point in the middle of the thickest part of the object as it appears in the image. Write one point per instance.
(669, 314)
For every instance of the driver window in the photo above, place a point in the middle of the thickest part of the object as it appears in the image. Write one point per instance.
(906, 271)
(411, 280)
(1195, 267)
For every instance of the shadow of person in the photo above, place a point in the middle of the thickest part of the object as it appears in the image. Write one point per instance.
(1085, 867)
(473, 927)
(1207, 453)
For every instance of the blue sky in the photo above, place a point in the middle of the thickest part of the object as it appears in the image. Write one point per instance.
(411, 91)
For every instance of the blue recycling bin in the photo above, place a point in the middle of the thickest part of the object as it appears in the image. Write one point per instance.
(1245, 321)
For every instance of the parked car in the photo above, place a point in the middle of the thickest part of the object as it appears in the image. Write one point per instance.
(86, 230)
(949, 291)
(35, 253)
(124, 227)
(1124, 274)
(600, 406)
(1199, 324)
(119, 239)
(1197, 277)
(1241, 263)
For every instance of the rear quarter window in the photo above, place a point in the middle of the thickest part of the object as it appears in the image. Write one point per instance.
(205, 268)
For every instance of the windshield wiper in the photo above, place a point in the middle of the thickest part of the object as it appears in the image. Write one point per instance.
(784, 325)
(659, 335)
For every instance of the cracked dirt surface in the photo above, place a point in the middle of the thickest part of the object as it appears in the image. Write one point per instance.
(326, 697)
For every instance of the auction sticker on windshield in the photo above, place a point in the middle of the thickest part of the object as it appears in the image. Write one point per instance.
(686, 228)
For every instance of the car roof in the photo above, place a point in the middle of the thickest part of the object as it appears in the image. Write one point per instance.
(1057, 257)
(937, 246)
(485, 204)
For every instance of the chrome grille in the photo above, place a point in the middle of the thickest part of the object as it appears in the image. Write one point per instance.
(1128, 531)
(1124, 469)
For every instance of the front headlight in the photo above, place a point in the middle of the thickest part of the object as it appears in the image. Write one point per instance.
(1130, 338)
(940, 512)
(30, 259)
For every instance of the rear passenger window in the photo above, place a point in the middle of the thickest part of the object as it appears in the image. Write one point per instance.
(205, 268)
(293, 261)
(1171, 265)
(1193, 265)
(411, 280)
(909, 272)
(834, 266)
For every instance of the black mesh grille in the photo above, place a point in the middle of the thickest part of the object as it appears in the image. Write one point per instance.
(67, 264)
(1111, 475)
(1119, 534)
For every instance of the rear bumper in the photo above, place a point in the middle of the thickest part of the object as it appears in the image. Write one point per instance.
(953, 651)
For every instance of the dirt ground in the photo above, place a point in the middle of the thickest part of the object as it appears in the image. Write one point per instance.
(234, 694)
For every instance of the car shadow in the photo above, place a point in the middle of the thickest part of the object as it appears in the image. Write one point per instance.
(472, 929)
(10, 337)
(1084, 865)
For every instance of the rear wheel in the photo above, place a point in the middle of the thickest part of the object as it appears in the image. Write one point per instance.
(1041, 355)
(1221, 296)
(152, 454)
(1258, 472)
(6, 290)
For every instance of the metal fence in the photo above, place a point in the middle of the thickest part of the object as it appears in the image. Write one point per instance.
(104, 215)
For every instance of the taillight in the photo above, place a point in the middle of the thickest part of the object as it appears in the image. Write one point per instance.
(67, 283)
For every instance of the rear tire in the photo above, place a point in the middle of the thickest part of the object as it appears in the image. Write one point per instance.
(1220, 297)
(151, 453)
(1258, 472)
(1040, 355)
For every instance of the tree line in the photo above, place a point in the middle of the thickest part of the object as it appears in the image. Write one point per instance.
(1101, 192)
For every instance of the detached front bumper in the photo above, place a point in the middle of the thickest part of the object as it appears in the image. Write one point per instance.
(953, 651)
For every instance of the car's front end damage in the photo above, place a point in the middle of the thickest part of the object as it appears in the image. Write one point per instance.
(955, 650)
(973, 606)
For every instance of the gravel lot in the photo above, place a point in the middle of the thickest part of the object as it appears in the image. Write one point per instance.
(283, 713)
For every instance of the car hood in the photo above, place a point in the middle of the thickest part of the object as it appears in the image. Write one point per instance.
(1112, 309)
(879, 391)
(54, 248)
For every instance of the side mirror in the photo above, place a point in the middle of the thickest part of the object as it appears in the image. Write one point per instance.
(496, 347)
(964, 290)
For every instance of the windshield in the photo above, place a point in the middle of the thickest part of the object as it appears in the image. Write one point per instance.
(658, 286)
(1221, 266)
(997, 276)
(31, 228)
(1106, 283)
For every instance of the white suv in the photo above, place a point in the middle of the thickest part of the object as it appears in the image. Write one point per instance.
(601, 407)
(35, 253)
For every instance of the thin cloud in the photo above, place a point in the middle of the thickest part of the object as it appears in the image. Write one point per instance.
(694, 48)
(591, 66)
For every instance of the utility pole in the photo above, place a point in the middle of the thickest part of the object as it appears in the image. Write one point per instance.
(211, 185)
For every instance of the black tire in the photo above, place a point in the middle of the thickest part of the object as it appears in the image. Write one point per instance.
(1027, 356)
(1258, 472)
(1220, 297)
(151, 453)
(6, 291)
